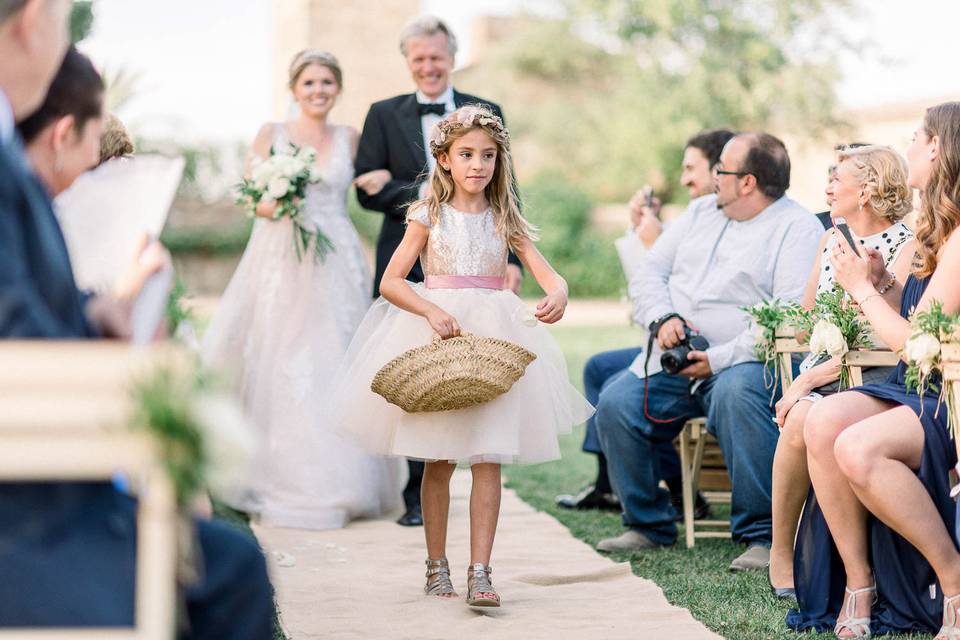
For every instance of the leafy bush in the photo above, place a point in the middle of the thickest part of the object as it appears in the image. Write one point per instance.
(582, 254)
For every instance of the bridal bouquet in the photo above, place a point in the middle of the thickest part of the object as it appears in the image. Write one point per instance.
(923, 352)
(284, 178)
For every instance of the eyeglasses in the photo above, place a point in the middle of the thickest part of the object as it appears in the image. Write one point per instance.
(721, 172)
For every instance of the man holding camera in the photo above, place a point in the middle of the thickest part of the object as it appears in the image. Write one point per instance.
(745, 244)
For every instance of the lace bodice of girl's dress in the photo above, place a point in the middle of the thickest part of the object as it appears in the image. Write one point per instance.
(462, 244)
(326, 200)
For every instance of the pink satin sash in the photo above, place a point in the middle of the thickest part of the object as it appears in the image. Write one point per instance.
(464, 282)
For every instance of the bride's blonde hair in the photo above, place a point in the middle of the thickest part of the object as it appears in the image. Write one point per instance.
(940, 198)
(502, 190)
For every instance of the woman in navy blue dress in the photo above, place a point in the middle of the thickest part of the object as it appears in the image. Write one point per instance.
(879, 456)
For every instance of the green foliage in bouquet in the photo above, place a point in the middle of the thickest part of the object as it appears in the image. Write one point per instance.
(176, 311)
(836, 326)
(768, 316)
(162, 402)
(923, 352)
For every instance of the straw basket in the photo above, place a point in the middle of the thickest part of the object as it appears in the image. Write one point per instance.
(451, 374)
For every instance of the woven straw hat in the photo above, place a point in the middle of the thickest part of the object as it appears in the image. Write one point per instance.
(451, 374)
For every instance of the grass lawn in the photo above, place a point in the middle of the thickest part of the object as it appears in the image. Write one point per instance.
(738, 606)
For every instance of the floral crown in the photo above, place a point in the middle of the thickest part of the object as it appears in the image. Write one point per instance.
(465, 118)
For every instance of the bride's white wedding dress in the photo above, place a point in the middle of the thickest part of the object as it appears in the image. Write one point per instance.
(281, 329)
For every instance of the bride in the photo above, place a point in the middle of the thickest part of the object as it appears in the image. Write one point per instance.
(284, 323)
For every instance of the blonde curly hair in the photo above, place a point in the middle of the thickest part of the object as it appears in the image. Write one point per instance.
(502, 190)
(115, 142)
(882, 173)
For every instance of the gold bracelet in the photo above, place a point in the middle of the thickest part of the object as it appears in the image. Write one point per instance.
(882, 289)
(872, 295)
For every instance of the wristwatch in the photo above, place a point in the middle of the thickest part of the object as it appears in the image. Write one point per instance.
(656, 324)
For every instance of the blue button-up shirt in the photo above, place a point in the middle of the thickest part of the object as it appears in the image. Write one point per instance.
(707, 267)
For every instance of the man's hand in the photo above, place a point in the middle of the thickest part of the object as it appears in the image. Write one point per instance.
(671, 333)
(111, 316)
(638, 207)
(648, 230)
(700, 369)
(513, 278)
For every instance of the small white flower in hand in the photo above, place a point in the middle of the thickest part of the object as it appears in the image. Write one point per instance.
(278, 187)
(923, 349)
(529, 319)
(827, 338)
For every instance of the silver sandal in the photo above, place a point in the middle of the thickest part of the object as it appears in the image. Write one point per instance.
(480, 591)
(860, 627)
(950, 629)
(438, 579)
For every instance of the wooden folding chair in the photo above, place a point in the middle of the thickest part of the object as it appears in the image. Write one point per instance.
(64, 414)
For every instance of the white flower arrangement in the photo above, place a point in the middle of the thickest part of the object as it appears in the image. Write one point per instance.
(283, 178)
(827, 338)
(467, 116)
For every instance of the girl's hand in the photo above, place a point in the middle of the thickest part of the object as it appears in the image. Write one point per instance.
(372, 182)
(852, 272)
(266, 208)
(443, 323)
(551, 308)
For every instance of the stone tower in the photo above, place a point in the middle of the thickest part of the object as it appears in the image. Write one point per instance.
(363, 37)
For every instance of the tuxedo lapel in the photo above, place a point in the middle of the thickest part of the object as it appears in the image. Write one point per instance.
(409, 118)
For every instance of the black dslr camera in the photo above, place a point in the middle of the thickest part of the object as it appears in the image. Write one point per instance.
(675, 360)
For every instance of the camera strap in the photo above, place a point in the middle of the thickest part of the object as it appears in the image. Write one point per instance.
(654, 331)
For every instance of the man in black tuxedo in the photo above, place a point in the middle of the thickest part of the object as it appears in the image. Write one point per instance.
(393, 164)
(67, 550)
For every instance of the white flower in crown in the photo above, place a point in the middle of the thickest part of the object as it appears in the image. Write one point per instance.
(437, 136)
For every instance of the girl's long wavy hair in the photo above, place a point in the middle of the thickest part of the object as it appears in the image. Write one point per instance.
(501, 192)
(940, 198)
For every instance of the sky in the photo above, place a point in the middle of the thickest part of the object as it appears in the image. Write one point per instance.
(204, 66)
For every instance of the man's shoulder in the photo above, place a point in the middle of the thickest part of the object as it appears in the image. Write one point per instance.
(704, 206)
(795, 213)
(389, 104)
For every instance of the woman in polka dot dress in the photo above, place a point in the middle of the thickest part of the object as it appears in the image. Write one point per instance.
(869, 189)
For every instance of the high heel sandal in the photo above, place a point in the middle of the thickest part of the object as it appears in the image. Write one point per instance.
(439, 584)
(860, 627)
(480, 591)
(950, 629)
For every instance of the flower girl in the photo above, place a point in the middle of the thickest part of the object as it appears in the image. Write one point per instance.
(461, 231)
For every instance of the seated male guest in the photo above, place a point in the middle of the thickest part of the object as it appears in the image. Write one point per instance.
(67, 550)
(700, 154)
(745, 244)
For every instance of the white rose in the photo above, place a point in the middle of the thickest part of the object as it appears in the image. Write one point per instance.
(306, 154)
(922, 348)
(827, 338)
(315, 175)
(278, 187)
(529, 319)
(229, 441)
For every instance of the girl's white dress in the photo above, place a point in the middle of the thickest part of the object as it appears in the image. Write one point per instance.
(281, 329)
(519, 426)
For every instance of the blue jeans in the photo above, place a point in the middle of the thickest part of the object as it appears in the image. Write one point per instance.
(601, 369)
(739, 411)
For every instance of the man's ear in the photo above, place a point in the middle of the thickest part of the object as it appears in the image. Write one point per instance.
(64, 131)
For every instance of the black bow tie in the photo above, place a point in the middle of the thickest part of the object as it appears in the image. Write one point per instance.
(438, 108)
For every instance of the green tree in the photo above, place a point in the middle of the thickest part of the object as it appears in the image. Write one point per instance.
(81, 20)
(608, 94)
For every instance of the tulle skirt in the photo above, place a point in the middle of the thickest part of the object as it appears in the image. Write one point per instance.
(520, 426)
(281, 330)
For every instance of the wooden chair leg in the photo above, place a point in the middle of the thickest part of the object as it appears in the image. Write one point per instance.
(686, 479)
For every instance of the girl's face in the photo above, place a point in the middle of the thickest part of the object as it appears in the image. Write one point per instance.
(921, 154)
(845, 191)
(316, 90)
(79, 151)
(471, 161)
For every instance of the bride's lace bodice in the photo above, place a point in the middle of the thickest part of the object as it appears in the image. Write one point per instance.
(326, 200)
(462, 244)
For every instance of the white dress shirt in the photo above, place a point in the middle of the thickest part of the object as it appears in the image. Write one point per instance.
(427, 120)
(707, 267)
(7, 123)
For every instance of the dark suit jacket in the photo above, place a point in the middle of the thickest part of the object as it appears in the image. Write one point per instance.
(825, 219)
(392, 139)
(38, 296)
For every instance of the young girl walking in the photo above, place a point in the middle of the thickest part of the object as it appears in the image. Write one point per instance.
(462, 231)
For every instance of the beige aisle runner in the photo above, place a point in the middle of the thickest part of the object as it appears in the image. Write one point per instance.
(366, 581)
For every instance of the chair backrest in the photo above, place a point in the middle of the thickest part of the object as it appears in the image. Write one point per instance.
(64, 415)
